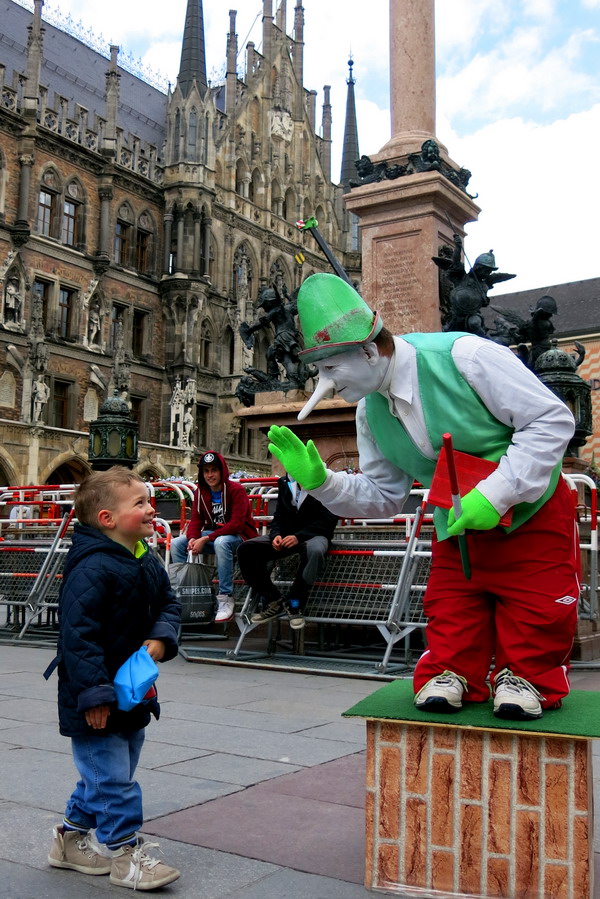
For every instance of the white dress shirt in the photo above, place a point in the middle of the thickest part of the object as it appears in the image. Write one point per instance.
(542, 423)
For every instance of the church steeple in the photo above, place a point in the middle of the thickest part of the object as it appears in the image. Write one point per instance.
(350, 152)
(193, 52)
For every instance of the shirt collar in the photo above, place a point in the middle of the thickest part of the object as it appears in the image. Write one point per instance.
(398, 382)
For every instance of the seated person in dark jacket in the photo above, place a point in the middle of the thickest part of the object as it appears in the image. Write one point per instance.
(301, 525)
(115, 597)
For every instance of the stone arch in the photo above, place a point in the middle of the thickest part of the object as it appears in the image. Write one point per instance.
(61, 465)
(151, 471)
(8, 470)
(289, 205)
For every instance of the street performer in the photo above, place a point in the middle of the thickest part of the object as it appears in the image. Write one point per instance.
(518, 610)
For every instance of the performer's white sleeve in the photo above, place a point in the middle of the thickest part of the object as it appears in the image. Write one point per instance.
(379, 491)
(543, 424)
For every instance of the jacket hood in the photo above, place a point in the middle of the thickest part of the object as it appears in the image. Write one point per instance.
(87, 541)
(210, 456)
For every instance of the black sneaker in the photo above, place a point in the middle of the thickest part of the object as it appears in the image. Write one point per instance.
(273, 610)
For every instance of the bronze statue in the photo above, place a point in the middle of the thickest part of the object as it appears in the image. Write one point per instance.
(283, 350)
(468, 290)
(537, 331)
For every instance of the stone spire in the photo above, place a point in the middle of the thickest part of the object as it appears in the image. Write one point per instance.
(35, 42)
(193, 53)
(326, 121)
(350, 151)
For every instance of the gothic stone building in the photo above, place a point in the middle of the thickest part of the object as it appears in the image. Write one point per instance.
(136, 229)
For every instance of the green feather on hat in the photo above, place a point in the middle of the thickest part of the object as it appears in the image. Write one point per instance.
(333, 317)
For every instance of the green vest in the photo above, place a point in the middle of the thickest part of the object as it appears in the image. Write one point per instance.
(449, 405)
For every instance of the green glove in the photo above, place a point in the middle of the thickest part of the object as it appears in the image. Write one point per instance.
(477, 513)
(302, 462)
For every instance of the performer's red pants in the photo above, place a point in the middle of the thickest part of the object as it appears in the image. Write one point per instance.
(519, 609)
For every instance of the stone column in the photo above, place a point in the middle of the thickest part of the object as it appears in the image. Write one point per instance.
(168, 231)
(197, 247)
(105, 198)
(206, 241)
(412, 76)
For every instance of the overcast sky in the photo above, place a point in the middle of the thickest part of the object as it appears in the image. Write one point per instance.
(518, 103)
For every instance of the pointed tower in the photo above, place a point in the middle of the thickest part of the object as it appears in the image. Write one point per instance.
(189, 196)
(350, 151)
(193, 54)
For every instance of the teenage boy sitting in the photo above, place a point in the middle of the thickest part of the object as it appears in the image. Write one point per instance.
(221, 520)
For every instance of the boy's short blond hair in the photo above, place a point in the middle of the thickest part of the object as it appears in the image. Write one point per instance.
(98, 491)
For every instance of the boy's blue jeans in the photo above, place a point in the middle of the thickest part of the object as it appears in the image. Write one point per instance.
(107, 797)
(225, 549)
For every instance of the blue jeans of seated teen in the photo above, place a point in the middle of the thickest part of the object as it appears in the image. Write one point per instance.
(224, 548)
(107, 797)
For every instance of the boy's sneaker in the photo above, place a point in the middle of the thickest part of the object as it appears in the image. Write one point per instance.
(226, 607)
(273, 610)
(295, 617)
(132, 867)
(442, 693)
(72, 849)
(515, 698)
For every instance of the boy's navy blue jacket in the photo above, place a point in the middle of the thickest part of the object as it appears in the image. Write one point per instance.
(109, 603)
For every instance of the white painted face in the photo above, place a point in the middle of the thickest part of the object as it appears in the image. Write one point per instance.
(352, 375)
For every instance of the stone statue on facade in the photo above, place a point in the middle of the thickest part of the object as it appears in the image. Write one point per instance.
(278, 316)
(40, 393)
(13, 302)
(93, 332)
(468, 290)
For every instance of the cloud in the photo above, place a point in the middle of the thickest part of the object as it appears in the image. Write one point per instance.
(535, 195)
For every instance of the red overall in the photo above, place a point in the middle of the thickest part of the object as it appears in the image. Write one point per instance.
(519, 609)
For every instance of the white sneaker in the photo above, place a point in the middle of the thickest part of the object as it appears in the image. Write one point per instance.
(515, 698)
(442, 693)
(226, 607)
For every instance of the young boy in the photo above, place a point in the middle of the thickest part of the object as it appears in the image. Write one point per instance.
(115, 598)
(221, 520)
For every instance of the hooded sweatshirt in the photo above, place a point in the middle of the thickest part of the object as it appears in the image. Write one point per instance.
(237, 511)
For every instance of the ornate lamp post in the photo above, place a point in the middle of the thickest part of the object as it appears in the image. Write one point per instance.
(557, 370)
(113, 436)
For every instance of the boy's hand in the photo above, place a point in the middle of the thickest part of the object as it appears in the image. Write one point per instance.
(97, 717)
(197, 544)
(289, 541)
(156, 649)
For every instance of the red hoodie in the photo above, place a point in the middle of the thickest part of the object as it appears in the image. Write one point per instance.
(236, 507)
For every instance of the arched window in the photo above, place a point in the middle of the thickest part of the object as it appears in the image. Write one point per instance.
(143, 244)
(2, 182)
(177, 136)
(192, 135)
(276, 198)
(72, 215)
(289, 205)
(205, 344)
(48, 209)
(229, 351)
(123, 236)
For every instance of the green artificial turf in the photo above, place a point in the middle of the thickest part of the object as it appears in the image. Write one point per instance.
(578, 717)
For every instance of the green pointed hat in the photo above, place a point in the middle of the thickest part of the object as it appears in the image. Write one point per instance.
(333, 317)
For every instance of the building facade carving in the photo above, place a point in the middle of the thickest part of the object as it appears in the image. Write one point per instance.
(134, 242)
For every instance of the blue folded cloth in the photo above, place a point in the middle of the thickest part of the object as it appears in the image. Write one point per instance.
(134, 678)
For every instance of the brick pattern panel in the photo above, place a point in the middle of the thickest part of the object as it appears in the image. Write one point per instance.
(478, 813)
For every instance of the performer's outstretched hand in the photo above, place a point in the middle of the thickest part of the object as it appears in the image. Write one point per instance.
(477, 513)
(303, 463)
